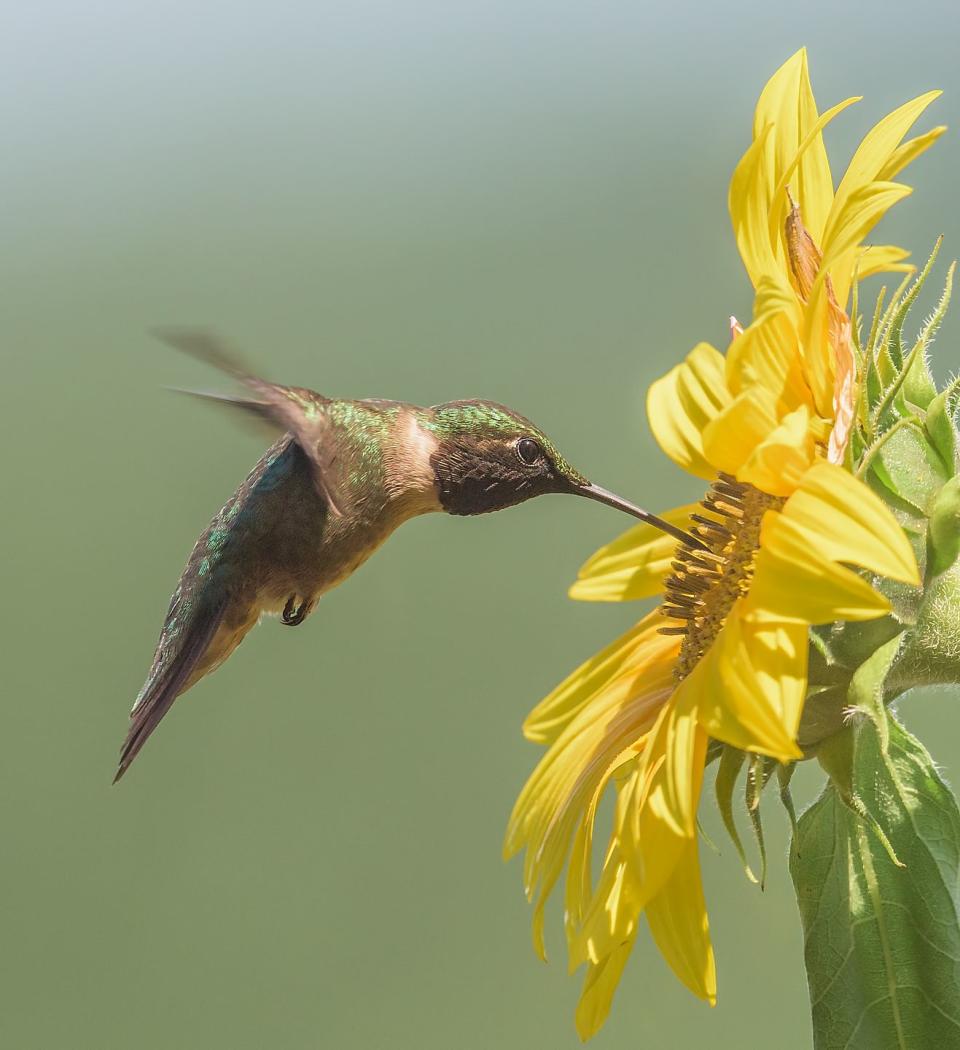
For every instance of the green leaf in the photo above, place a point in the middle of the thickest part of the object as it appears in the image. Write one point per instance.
(882, 943)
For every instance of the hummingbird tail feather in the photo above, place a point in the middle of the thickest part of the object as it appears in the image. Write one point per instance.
(161, 691)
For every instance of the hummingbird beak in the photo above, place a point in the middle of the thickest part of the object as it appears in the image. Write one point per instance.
(612, 500)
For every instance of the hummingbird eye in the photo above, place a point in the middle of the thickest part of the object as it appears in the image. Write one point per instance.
(529, 451)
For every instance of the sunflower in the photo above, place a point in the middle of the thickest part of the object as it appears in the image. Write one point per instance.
(724, 656)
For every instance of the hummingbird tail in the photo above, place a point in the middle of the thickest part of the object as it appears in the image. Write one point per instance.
(168, 679)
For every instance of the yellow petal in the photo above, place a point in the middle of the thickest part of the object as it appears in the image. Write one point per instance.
(795, 581)
(579, 897)
(780, 461)
(882, 258)
(908, 152)
(750, 686)
(577, 766)
(850, 523)
(818, 353)
(634, 565)
(681, 404)
(832, 518)
(612, 916)
(640, 648)
(671, 772)
(813, 191)
(767, 354)
(679, 924)
(599, 984)
(775, 295)
(873, 157)
(865, 207)
(787, 102)
(749, 205)
(730, 438)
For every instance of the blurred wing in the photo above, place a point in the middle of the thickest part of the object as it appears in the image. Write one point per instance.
(299, 411)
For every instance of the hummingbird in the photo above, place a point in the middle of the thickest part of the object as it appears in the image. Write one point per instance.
(339, 480)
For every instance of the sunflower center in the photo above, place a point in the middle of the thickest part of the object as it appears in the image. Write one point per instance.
(705, 584)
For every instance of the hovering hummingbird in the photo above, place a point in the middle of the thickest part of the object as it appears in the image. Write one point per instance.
(321, 500)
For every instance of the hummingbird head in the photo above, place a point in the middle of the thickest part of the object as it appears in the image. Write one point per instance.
(488, 457)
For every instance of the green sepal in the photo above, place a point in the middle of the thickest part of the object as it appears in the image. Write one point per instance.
(731, 762)
(874, 385)
(918, 387)
(902, 308)
(882, 942)
(943, 530)
(759, 773)
(866, 693)
(847, 644)
(939, 426)
(784, 776)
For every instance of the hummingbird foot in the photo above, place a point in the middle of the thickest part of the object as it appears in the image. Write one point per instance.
(294, 614)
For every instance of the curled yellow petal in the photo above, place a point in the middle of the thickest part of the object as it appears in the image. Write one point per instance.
(831, 520)
(796, 581)
(682, 403)
(730, 438)
(781, 459)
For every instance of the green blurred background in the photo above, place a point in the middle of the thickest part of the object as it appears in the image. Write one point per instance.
(520, 201)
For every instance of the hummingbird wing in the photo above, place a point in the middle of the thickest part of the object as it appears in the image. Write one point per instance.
(297, 410)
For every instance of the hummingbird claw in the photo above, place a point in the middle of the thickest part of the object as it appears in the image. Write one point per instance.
(294, 614)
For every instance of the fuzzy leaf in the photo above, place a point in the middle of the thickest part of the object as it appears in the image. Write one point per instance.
(910, 467)
(881, 942)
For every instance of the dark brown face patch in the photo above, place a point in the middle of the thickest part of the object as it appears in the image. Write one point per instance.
(481, 473)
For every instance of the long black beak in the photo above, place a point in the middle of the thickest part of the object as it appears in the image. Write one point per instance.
(612, 500)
